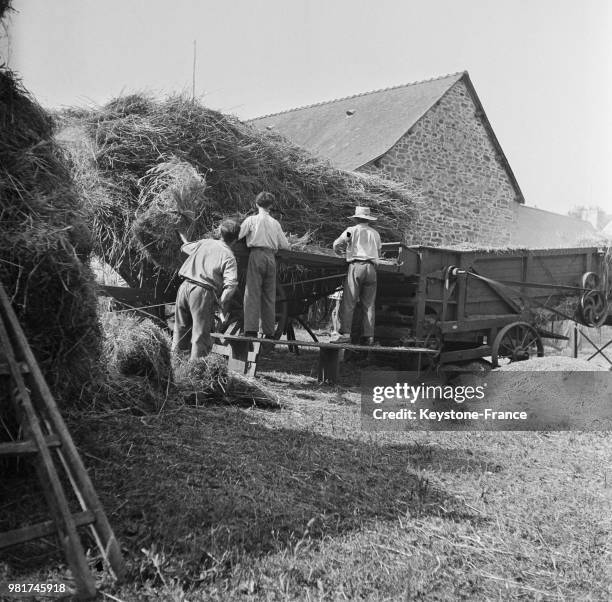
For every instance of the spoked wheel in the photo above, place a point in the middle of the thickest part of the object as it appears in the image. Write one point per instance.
(516, 342)
(593, 308)
(593, 303)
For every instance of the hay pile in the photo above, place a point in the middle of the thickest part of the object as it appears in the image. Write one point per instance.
(137, 375)
(44, 243)
(137, 347)
(208, 381)
(148, 167)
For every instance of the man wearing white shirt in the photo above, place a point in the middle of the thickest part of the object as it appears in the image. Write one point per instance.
(209, 272)
(361, 245)
(264, 236)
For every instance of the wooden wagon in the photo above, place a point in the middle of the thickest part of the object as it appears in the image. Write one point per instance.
(464, 304)
(472, 304)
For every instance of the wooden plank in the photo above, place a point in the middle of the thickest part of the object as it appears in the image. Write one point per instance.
(527, 261)
(243, 355)
(221, 349)
(501, 291)
(23, 448)
(419, 313)
(232, 337)
(465, 354)
(39, 386)
(461, 295)
(478, 323)
(310, 259)
(329, 362)
(44, 529)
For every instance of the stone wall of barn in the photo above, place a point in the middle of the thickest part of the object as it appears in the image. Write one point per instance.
(467, 196)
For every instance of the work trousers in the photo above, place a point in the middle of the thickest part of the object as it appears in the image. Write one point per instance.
(359, 285)
(260, 292)
(193, 318)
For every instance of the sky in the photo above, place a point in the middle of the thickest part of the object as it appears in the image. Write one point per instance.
(541, 68)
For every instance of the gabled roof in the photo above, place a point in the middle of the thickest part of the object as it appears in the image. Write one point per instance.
(540, 229)
(356, 130)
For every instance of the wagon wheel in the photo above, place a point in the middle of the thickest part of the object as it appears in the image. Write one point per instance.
(516, 342)
(593, 308)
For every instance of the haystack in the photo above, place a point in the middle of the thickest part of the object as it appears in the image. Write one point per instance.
(45, 243)
(149, 167)
(136, 347)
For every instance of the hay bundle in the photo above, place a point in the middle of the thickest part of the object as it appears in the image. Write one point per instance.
(121, 143)
(207, 380)
(137, 347)
(173, 200)
(44, 242)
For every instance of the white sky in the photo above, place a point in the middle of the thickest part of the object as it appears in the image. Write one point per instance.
(542, 68)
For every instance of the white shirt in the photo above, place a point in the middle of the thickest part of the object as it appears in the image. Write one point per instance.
(262, 230)
(359, 242)
(210, 262)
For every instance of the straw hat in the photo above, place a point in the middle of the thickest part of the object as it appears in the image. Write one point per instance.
(364, 213)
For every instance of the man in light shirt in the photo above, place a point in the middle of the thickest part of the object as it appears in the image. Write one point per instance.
(264, 237)
(208, 273)
(361, 245)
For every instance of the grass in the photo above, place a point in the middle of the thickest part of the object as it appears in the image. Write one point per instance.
(225, 503)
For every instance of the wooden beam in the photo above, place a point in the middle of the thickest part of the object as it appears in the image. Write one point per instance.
(465, 354)
(478, 323)
(320, 345)
(23, 448)
(44, 529)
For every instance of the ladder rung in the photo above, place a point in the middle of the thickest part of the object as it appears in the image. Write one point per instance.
(5, 370)
(21, 448)
(17, 536)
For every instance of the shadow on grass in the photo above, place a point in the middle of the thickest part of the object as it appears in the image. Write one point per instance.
(202, 482)
(213, 483)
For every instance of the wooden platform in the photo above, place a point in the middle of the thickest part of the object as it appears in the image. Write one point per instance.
(243, 352)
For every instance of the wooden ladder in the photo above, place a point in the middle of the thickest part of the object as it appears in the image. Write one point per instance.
(48, 441)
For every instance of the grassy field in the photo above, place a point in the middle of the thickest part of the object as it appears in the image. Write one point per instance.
(225, 503)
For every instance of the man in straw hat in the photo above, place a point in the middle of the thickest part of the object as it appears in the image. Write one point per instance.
(264, 236)
(361, 245)
(208, 273)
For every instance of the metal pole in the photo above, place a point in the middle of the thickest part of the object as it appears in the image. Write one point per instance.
(575, 340)
(194, 72)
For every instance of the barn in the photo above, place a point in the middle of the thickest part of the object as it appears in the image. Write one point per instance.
(431, 134)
